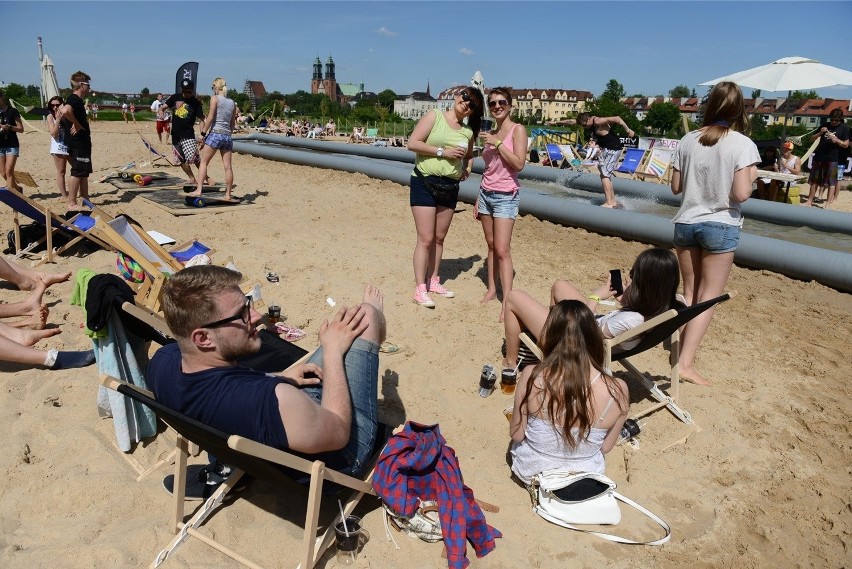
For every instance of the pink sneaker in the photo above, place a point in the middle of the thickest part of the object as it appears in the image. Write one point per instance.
(436, 287)
(422, 298)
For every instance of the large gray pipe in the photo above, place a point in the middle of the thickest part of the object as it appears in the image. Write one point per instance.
(772, 212)
(800, 261)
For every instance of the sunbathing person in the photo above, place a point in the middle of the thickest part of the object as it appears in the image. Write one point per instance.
(568, 412)
(15, 346)
(650, 291)
(28, 279)
(325, 408)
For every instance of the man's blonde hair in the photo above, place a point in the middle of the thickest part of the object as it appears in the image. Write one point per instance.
(77, 78)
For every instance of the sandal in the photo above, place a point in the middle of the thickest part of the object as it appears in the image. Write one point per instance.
(389, 348)
(289, 333)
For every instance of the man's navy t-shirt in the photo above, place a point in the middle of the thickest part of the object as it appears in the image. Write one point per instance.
(83, 138)
(234, 400)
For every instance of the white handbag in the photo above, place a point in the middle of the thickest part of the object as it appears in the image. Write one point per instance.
(564, 498)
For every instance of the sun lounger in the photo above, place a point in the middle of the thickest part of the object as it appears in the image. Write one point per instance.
(244, 456)
(79, 226)
(159, 155)
(656, 331)
(631, 162)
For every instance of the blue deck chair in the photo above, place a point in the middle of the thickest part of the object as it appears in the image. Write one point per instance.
(80, 225)
(555, 155)
(159, 155)
(632, 159)
(184, 253)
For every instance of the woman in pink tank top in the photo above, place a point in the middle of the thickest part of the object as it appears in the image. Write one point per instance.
(497, 205)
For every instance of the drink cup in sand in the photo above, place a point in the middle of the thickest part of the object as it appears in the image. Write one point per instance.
(274, 314)
(349, 537)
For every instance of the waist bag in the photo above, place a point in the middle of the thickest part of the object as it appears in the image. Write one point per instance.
(564, 498)
(442, 188)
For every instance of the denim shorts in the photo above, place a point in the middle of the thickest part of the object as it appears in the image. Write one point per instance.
(10, 151)
(499, 204)
(361, 364)
(219, 141)
(711, 236)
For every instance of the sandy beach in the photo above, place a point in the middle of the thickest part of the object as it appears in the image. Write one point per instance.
(762, 479)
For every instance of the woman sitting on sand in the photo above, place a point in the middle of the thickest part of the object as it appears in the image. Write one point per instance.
(568, 412)
(649, 291)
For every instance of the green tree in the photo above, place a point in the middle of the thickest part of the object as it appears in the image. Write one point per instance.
(614, 91)
(662, 117)
(802, 95)
(15, 91)
(386, 99)
(755, 94)
(758, 127)
(145, 92)
(679, 91)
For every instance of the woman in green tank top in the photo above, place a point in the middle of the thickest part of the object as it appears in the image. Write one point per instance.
(444, 147)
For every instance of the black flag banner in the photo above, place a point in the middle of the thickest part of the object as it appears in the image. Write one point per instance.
(188, 70)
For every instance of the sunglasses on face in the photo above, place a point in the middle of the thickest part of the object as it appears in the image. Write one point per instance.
(55, 105)
(84, 83)
(499, 102)
(244, 315)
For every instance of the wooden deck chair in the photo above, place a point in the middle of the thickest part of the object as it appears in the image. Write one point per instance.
(632, 160)
(245, 456)
(158, 155)
(658, 165)
(371, 135)
(656, 331)
(79, 225)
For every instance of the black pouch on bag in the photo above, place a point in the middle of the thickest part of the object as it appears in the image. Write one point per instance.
(443, 189)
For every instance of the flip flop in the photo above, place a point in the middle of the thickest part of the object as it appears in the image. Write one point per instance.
(389, 348)
(289, 333)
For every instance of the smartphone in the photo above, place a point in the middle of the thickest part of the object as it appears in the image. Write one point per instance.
(615, 282)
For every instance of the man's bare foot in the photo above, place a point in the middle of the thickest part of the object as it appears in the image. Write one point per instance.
(191, 182)
(374, 297)
(35, 321)
(608, 206)
(693, 376)
(194, 194)
(489, 296)
(29, 337)
(52, 279)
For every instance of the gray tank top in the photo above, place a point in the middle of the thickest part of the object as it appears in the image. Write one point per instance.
(224, 113)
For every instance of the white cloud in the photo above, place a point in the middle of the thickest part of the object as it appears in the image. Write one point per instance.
(383, 31)
(466, 51)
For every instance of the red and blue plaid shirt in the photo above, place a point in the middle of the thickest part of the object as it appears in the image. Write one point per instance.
(417, 463)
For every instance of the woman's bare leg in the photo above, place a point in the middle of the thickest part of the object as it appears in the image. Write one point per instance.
(503, 228)
(60, 162)
(443, 219)
(522, 311)
(488, 230)
(425, 219)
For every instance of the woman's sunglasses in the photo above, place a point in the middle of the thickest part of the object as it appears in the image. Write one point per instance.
(499, 102)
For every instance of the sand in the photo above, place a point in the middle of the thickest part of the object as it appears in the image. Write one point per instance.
(762, 479)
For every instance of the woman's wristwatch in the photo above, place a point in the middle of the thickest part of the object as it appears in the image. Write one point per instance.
(440, 152)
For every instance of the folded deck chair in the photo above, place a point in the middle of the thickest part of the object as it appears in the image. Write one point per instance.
(80, 225)
(657, 165)
(245, 456)
(632, 160)
(159, 155)
(656, 331)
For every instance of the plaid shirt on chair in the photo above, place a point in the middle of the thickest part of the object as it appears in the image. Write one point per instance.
(417, 463)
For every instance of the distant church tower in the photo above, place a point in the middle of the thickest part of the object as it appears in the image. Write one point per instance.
(327, 86)
(330, 82)
(316, 81)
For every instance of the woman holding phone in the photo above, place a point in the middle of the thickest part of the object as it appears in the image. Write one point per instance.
(650, 291)
(714, 168)
(443, 143)
(496, 206)
(58, 149)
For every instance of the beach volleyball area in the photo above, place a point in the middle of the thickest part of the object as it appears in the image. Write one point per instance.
(761, 479)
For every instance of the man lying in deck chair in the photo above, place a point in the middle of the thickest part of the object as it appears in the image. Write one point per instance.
(325, 408)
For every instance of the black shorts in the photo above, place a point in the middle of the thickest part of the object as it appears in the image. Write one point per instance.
(80, 158)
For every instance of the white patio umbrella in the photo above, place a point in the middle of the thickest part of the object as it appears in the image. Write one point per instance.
(49, 86)
(788, 74)
(479, 83)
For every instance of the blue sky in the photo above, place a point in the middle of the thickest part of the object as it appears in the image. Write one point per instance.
(649, 47)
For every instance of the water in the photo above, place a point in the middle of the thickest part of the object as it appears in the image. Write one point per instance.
(802, 235)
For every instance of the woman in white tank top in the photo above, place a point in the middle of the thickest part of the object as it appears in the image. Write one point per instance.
(568, 412)
(58, 149)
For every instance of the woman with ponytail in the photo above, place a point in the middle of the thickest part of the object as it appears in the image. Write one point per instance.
(714, 169)
(216, 134)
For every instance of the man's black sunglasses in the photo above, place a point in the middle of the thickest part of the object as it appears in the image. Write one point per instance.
(244, 314)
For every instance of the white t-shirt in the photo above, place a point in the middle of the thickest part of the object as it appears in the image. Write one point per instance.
(707, 175)
(620, 321)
